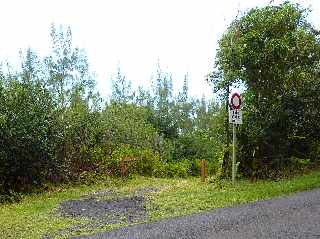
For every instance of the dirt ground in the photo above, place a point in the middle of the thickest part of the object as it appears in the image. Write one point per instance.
(106, 208)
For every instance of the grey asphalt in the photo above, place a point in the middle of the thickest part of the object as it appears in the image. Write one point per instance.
(295, 216)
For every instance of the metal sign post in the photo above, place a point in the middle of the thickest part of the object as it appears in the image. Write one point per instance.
(234, 153)
(235, 117)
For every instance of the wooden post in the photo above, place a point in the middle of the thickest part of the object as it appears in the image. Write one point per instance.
(203, 170)
(122, 167)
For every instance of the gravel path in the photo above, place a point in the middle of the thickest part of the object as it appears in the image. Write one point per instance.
(296, 216)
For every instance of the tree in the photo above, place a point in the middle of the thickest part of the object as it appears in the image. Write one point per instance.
(32, 67)
(68, 67)
(275, 53)
(121, 88)
(73, 90)
(164, 118)
(26, 152)
(126, 124)
(184, 108)
(201, 120)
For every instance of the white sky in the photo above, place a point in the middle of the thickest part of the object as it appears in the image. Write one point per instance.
(183, 34)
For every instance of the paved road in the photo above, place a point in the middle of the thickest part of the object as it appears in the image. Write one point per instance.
(295, 216)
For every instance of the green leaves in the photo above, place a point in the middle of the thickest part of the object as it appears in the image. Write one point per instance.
(127, 124)
(67, 67)
(121, 89)
(25, 131)
(273, 51)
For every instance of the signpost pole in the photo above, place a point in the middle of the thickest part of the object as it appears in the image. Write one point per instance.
(234, 154)
(235, 117)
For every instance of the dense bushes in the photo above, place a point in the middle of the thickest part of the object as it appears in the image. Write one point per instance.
(148, 163)
(26, 139)
(55, 128)
(126, 123)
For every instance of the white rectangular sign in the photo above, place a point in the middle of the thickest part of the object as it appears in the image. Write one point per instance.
(235, 116)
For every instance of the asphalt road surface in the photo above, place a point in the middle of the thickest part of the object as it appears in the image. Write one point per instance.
(295, 216)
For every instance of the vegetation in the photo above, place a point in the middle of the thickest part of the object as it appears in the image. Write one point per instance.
(36, 215)
(274, 52)
(54, 127)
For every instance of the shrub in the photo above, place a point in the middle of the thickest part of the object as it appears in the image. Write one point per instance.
(25, 136)
(147, 163)
(179, 169)
(212, 167)
(140, 161)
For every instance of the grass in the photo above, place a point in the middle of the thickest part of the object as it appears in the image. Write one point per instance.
(191, 196)
(36, 216)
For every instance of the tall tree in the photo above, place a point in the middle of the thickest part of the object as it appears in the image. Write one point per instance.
(121, 88)
(68, 66)
(73, 88)
(164, 119)
(184, 108)
(274, 51)
(32, 67)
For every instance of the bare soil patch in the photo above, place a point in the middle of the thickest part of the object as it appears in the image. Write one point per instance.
(127, 209)
(106, 208)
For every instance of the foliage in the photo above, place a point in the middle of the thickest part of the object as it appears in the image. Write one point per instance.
(181, 169)
(26, 150)
(163, 113)
(127, 124)
(72, 89)
(275, 53)
(68, 67)
(137, 160)
(54, 127)
(121, 89)
(49, 113)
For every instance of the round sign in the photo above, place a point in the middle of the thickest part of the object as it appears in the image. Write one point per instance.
(235, 101)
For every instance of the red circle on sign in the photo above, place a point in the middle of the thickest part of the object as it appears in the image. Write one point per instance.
(233, 104)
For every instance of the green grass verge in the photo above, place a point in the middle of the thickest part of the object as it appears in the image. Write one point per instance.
(191, 196)
(35, 216)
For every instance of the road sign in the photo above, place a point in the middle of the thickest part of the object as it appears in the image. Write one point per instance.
(235, 116)
(235, 101)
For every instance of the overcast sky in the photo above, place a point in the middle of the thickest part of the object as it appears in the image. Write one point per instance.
(182, 34)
